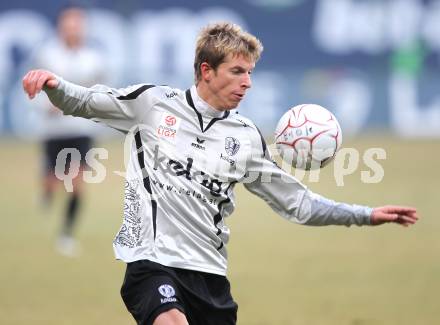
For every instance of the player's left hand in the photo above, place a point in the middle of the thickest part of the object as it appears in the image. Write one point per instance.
(404, 216)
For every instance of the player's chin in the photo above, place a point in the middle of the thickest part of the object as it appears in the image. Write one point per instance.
(233, 103)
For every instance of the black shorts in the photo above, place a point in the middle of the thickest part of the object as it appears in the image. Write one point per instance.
(54, 146)
(150, 289)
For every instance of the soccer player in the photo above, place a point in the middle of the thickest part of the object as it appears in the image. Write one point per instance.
(67, 55)
(189, 151)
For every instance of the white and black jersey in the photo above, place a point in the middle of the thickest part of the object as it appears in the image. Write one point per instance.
(185, 159)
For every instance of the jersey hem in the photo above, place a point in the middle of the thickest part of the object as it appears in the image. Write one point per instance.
(176, 265)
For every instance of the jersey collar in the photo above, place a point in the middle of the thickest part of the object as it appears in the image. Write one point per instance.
(202, 108)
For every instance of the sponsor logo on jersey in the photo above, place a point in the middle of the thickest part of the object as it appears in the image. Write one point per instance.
(168, 292)
(166, 132)
(168, 126)
(178, 168)
(228, 159)
(170, 120)
(232, 145)
(198, 145)
(171, 94)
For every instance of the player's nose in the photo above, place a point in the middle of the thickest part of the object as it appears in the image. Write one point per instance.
(246, 81)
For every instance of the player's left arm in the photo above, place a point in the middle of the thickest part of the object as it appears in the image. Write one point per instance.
(291, 199)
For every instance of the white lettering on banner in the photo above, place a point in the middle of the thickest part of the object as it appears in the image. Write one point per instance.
(148, 54)
(108, 28)
(407, 117)
(170, 55)
(431, 26)
(139, 48)
(351, 100)
(346, 26)
(14, 33)
(162, 53)
(342, 26)
(403, 18)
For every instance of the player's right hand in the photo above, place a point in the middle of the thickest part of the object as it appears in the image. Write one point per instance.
(34, 81)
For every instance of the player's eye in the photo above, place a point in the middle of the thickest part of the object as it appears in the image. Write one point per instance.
(238, 70)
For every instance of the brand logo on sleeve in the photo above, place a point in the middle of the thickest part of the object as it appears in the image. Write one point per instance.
(242, 122)
(171, 94)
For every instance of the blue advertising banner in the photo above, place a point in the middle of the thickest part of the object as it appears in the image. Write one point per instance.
(374, 64)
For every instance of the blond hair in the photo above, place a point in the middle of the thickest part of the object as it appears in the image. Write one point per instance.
(218, 40)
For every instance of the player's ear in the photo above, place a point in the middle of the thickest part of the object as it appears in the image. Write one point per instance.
(206, 71)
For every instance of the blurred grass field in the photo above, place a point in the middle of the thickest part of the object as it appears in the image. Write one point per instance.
(281, 273)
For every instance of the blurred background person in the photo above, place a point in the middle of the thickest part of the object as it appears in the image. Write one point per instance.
(69, 55)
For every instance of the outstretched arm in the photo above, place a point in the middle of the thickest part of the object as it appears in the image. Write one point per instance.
(292, 200)
(118, 108)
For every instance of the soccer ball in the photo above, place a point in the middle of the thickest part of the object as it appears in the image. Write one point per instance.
(308, 136)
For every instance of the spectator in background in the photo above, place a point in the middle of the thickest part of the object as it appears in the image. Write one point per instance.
(67, 55)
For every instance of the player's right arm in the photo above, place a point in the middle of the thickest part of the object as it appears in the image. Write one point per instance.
(113, 107)
(35, 80)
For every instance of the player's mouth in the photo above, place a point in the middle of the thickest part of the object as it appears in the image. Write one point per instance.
(238, 96)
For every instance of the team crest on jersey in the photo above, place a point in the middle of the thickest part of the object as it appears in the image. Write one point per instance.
(232, 145)
(168, 126)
